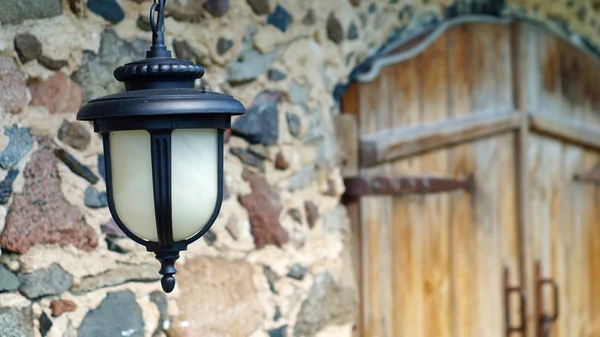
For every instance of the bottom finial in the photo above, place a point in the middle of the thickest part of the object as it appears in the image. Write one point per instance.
(167, 269)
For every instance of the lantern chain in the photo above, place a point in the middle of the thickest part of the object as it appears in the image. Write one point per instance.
(157, 22)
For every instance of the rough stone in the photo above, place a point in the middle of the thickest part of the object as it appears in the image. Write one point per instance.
(13, 87)
(19, 143)
(260, 124)
(122, 274)
(94, 198)
(224, 45)
(217, 8)
(271, 277)
(248, 158)
(294, 124)
(6, 186)
(43, 282)
(40, 214)
(183, 50)
(74, 134)
(110, 10)
(276, 75)
(229, 299)
(58, 307)
(372, 8)
(45, 324)
(111, 229)
(96, 73)
(184, 10)
(210, 237)
(279, 332)
(264, 207)
(249, 65)
(77, 7)
(75, 166)
(281, 163)
(312, 213)
(336, 220)
(8, 280)
(327, 304)
(16, 322)
(314, 131)
(121, 310)
(28, 47)
(303, 177)
(310, 18)
(143, 22)
(297, 272)
(296, 215)
(16, 11)
(260, 7)
(335, 31)
(260, 151)
(52, 64)
(352, 31)
(160, 300)
(58, 94)
(355, 3)
(298, 94)
(277, 314)
(101, 168)
(280, 18)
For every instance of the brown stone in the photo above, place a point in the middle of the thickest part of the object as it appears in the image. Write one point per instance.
(355, 3)
(58, 307)
(312, 213)
(74, 134)
(223, 304)
(58, 94)
(28, 47)
(335, 31)
(13, 87)
(281, 163)
(41, 215)
(264, 207)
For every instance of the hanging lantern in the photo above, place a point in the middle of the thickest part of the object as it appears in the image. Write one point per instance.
(163, 146)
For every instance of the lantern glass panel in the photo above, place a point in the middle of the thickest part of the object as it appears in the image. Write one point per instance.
(131, 171)
(195, 179)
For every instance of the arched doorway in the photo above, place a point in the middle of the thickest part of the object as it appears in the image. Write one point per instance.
(463, 186)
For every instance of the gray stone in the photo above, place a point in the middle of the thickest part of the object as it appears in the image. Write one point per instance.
(13, 86)
(210, 237)
(303, 177)
(280, 18)
(296, 215)
(94, 198)
(16, 322)
(298, 93)
(272, 278)
(6, 186)
(260, 7)
(314, 131)
(217, 8)
(336, 220)
(260, 124)
(372, 8)
(119, 314)
(45, 324)
(96, 73)
(276, 75)
(19, 143)
(279, 332)
(74, 134)
(312, 213)
(101, 167)
(52, 64)
(143, 22)
(50, 281)
(224, 45)
(75, 166)
(294, 124)
(8, 280)
(28, 47)
(122, 274)
(277, 314)
(160, 299)
(249, 65)
(248, 158)
(15, 11)
(335, 31)
(327, 304)
(112, 230)
(297, 272)
(310, 18)
(352, 31)
(260, 151)
(110, 10)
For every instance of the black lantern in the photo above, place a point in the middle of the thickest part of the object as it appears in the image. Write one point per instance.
(163, 145)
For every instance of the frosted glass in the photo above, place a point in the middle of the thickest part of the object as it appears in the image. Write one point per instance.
(194, 179)
(133, 193)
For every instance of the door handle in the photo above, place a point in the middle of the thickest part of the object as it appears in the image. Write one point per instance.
(508, 291)
(545, 321)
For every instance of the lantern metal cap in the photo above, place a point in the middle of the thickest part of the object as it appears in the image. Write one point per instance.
(161, 102)
(158, 73)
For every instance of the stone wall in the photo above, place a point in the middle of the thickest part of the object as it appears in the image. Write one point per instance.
(276, 261)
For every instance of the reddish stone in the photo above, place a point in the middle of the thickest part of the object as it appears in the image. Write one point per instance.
(264, 207)
(355, 3)
(58, 307)
(312, 213)
(13, 89)
(281, 163)
(41, 215)
(58, 94)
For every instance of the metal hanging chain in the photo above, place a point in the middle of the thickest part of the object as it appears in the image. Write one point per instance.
(158, 23)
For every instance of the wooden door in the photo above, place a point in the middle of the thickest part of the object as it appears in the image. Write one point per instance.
(432, 264)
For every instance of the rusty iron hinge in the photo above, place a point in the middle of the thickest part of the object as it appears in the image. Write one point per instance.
(545, 321)
(508, 291)
(357, 187)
